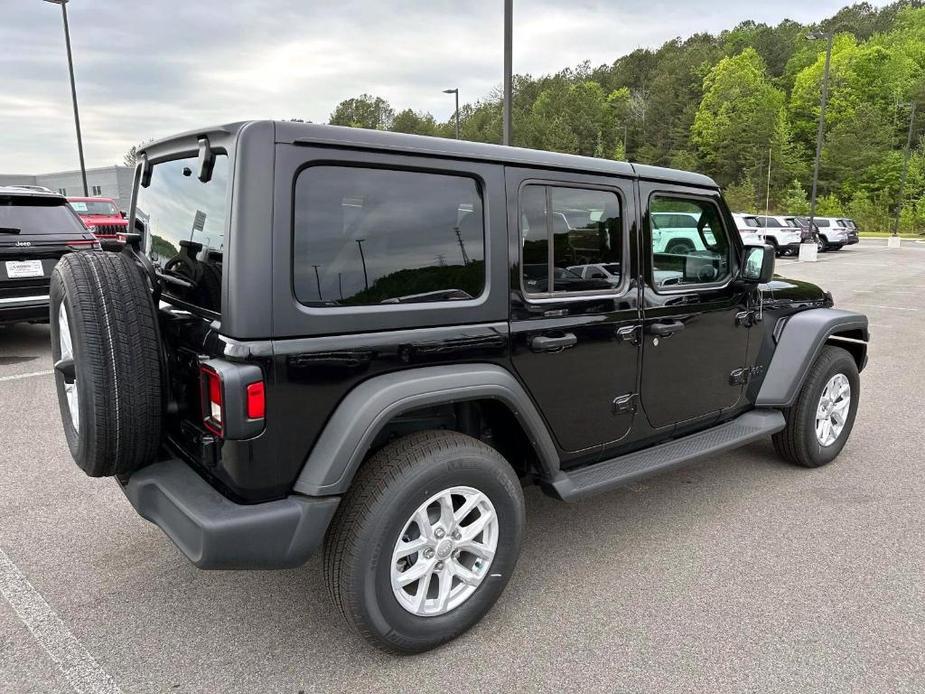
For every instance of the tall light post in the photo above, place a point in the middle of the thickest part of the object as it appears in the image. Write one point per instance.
(902, 179)
(830, 36)
(456, 92)
(70, 67)
(508, 66)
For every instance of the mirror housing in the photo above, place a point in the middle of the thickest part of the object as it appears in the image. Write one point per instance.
(758, 267)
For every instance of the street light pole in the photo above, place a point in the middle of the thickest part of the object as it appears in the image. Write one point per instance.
(456, 92)
(902, 179)
(821, 130)
(70, 68)
(508, 66)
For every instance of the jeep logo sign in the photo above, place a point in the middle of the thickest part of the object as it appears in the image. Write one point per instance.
(23, 243)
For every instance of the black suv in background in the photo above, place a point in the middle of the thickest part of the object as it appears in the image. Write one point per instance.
(367, 342)
(36, 229)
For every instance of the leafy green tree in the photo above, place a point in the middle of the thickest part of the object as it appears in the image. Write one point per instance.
(794, 200)
(829, 206)
(742, 196)
(364, 111)
(737, 116)
(414, 122)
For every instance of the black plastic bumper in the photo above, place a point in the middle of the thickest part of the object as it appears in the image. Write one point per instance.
(14, 309)
(216, 533)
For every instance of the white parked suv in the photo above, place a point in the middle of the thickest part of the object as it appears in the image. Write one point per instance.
(676, 232)
(748, 232)
(836, 232)
(784, 235)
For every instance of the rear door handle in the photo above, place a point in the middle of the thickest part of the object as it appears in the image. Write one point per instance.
(543, 343)
(666, 329)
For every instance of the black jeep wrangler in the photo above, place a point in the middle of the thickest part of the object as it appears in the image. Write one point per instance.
(368, 342)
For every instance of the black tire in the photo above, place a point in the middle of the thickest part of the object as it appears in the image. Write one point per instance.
(116, 362)
(679, 248)
(388, 489)
(798, 443)
(836, 247)
(822, 244)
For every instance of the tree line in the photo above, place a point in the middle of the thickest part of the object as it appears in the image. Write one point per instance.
(733, 105)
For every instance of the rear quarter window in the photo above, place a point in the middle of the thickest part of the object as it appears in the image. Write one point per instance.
(366, 236)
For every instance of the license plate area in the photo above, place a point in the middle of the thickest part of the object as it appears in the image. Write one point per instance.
(21, 269)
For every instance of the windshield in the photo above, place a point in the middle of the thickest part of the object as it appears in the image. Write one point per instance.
(37, 215)
(100, 207)
(184, 224)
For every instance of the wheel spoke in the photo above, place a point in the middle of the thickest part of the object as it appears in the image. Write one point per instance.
(479, 549)
(423, 522)
(406, 549)
(446, 512)
(467, 507)
(419, 570)
(420, 597)
(471, 531)
(467, 576)
(445, 577)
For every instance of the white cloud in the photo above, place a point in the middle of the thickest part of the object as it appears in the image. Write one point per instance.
(149, 69)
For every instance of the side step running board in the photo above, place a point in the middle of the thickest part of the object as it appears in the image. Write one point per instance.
(609, 474)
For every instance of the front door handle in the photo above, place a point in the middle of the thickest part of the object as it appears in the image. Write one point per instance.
(666, 329)
(544, 343)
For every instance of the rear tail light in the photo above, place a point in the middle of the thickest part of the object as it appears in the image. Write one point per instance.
(83, 244)
(213, 401)
(256, 401)
(234, 401)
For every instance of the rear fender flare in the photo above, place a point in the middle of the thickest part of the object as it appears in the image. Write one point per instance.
(799, 343)
(361, 415)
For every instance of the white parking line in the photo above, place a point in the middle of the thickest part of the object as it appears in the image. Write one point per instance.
(890, 308)
(16, 377)
(73, 660)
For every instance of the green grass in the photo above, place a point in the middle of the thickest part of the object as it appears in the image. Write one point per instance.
(885, 234)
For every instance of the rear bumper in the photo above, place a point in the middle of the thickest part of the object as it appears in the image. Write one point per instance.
(23, 308)
(216, 533)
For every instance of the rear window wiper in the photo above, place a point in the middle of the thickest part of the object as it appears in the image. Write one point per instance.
(10, 230)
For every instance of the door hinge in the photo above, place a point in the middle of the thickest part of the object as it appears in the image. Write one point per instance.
(745, 319)
(739, 377)
(629, 333)
(624, 404)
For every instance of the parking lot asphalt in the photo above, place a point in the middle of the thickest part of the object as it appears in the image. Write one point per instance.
(739, 573)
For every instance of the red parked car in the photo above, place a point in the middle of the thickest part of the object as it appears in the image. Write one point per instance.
(100, 216)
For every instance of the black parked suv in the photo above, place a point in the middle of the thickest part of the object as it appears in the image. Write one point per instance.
(368, 342)
(36, 229)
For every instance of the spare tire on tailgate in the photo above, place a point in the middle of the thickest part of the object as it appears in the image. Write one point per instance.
(108, 373)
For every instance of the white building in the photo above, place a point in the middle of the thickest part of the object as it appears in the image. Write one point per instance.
(104, 182)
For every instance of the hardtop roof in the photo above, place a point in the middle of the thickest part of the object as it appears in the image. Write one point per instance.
(28, 192)
(289, 132)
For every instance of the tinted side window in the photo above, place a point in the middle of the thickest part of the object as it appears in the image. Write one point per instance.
(698, 255)
(563, 228)
(384, 236)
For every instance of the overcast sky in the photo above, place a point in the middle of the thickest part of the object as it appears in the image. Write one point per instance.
(149, 68)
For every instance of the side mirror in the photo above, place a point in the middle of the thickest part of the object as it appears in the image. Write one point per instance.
(122, 212)
(759, 264)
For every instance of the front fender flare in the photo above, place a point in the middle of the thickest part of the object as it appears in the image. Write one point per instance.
(361, 415)
(798, 345)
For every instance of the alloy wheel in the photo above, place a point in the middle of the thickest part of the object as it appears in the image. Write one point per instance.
(444, 551)
(832, 411)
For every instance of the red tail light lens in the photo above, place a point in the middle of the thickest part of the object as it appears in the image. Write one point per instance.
(83, 244)
(213, 402)
(256, 401)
